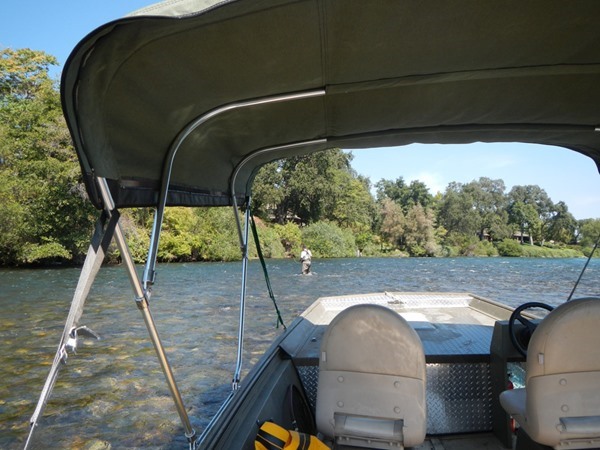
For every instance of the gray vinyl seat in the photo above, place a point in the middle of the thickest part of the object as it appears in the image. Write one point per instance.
(371, 387)
(560, 405)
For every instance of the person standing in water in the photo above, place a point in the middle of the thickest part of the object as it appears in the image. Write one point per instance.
(305, 259)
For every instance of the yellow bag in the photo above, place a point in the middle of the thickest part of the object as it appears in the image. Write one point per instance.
(273, 437)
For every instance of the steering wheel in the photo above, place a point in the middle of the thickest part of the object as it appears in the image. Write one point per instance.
(521, 340)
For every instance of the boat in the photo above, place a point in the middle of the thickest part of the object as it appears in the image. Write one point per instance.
(180, 103)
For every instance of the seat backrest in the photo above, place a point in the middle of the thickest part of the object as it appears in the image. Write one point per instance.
(371, 388)
(563, 374)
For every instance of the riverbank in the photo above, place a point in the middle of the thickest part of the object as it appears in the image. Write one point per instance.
(476, 251)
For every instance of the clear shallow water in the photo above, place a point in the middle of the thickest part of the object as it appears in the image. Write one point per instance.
(113, 391)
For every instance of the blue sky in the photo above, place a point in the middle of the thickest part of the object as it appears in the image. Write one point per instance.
(57, 26)
(565, 175)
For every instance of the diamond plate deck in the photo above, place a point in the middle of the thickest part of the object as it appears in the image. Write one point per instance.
(456, 331)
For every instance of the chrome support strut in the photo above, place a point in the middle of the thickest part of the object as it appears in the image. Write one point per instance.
(235, 384)
(93, 261)
(143, 306)
(243, 237)
(149, 269)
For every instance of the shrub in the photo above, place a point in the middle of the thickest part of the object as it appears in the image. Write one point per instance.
(509, 247)
(217, 235)
(179, 240)
(270, 243)
(372, 249)
(327, 240)
(46, 252)
(290, 237)
(485, 248)
(532, 251)
(451, 251)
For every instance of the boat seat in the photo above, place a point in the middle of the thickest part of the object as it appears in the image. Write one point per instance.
(560, 405)
(371, 387)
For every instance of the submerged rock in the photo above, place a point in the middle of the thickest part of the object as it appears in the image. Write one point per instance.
(96, 444)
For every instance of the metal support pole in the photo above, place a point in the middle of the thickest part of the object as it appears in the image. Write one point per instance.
(584, 267)
(244, 245)
(93, 261)
(143, 306)
(149, 275)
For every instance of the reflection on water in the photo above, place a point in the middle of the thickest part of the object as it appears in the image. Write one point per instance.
(112, 393)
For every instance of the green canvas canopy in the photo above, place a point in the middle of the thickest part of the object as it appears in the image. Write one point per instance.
(199, 93)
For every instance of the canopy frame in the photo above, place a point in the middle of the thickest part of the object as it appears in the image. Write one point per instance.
(149, 271)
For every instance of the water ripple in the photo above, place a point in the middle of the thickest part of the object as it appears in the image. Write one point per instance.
(112, 393)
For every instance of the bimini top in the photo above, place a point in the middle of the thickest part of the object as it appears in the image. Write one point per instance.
(213, 89)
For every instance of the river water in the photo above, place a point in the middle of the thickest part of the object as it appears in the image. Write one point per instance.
(112, 393)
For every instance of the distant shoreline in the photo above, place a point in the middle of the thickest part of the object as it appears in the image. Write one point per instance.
(69, 265)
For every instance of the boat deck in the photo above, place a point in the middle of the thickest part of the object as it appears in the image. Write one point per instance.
(453, 327)
(456, 331)
(485, 441)
(462, 381)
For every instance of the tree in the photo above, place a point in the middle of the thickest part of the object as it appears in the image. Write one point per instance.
(51, 217)
(526, 218)
(320, 186)
(561, 224)
(392, 223)
(354, 206)
(393, 190)
(268, 193)
(419, 235)
(310, 192)
(404, 195)
(509, 247)
(24, 74)
(290, 237)
(180, 237)
(529, 207)
(456, 213)
(217, 235)
(489, 205)
(589, 232)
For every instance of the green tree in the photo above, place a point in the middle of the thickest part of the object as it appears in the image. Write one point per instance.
(311, 193)
(51, 216)
(529, 207)
(354, 206)
(416, 193)
(319, 186)
(24, 74)
(489, 206)
(561, 224)
(526, 218)
(456, 213)
(180, 237)
(476, 208)
(392, 223)
(269, 192)
(589, 232)
(419, 235)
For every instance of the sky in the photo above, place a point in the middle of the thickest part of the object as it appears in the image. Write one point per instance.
(57, 26)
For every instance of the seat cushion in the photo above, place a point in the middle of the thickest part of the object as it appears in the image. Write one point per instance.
(371, 387)
(513, 401)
